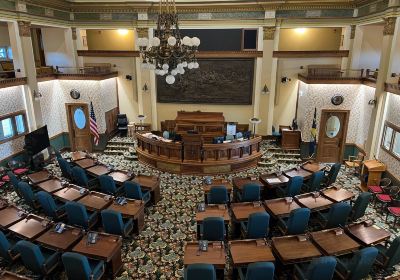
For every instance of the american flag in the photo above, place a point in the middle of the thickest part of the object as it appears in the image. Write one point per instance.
(93, 125)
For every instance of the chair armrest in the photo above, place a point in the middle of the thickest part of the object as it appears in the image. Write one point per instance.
(52, 262)
(281, 225)
(241, 274)
(280, 191)
(93, 217)
(146, 195)
(341, 269)
(98, 271)
(128, 227)
(298, 271)
(243, 228)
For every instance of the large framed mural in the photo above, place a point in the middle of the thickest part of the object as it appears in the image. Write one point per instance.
(217, 81)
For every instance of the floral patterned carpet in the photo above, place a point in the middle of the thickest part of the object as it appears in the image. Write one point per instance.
(157, 253)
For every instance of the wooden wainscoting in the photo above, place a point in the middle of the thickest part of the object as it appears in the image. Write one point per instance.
(111, 120)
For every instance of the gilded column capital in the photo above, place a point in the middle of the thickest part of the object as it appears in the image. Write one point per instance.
(269, 32)
(24, 28)
(390, 23)
(352, 31)
(142, 32)
(74, 36)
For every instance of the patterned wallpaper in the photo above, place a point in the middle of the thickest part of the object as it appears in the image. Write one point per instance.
(11, 100)
(355, 99)
(55, 93)
(393, 116)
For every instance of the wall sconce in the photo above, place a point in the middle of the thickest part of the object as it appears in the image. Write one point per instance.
(284, 80)
(145, 88)
(372, 102)
(128, 77)
(37, 94)
(265, 90)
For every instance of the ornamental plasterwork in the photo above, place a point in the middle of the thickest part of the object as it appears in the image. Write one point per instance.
(142, 32)
(269, 32)
(389, 26)
(24, 28)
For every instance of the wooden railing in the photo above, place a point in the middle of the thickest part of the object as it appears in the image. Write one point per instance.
(11, 82)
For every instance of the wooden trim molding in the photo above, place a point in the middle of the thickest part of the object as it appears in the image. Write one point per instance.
(392, 88)
(93, 77)
(311, 54)
(338, 80)
(200, 54)
(13, 82)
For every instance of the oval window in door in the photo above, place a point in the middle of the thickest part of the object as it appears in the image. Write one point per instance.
(332, 126)
(79, 118)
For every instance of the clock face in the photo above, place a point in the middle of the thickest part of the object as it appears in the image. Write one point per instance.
(75, 94)
(337, 100)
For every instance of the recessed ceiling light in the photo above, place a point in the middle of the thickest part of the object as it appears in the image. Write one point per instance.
(301, 30)
(123, 31)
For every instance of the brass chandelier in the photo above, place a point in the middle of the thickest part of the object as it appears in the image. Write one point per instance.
(167, 53)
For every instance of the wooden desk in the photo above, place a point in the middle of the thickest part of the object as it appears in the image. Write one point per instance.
(279, 207)
(120, 176)
(313, 166)
(69, 193)
(142, 127)
(273, 180)
(332, 244)
(86, 163)
(51, 185)
(133, 209)
(244, 252)
(241, 211)
(38, 177)
(30, 227)
(337, 195)
(239, 182)
(96, 201)
(215, 255)
(60, 241)
(373, 169)
(7, 275)
(98, 170)
(3, 204)
(368, 235)
(213, 211)
(78, 155)
(11, 215)
(290, 250)
(307, 200)
(107, 248)
(150, 183)
(218, 182)
(294, 172)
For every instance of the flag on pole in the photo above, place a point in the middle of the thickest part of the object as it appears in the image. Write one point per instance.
(93, 125)
(313, 132)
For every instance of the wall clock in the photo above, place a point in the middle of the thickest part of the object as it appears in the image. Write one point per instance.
(337, 100)
(75, 94)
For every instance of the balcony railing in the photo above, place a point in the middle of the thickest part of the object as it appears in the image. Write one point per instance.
(99, 71)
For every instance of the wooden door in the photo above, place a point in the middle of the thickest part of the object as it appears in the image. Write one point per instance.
(79, 127)
(332, 135)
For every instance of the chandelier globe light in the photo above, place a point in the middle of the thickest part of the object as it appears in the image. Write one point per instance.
(167, 53)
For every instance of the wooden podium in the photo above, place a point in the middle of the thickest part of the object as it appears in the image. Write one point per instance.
(372, 169)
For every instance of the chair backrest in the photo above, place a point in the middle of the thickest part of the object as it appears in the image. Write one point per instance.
(333, 173)
(4, 247)
(80, 176)
(77, 214)
(338, 214)
(133, 190)
(122, 119)
(200, 271)
(316, 180)
(47, 203)
(393, 253)
(361, 263)
(260, 271)
(294, 186)
(107, 184)
(298, 221)
(250, 192)
(393, 191)
(385, 182)
(112, 222)
(165, 135)
(360, 205)
(27, 193)
(258, 225)
(321, 268)
(13, 179)
(213, 229)
(31, 256)
(65, 167)
(218, 195)
(76, 266)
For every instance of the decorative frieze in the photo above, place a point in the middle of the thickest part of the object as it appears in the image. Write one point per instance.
(24, 28)
(142, 32)
(269, 32)
(388, 28)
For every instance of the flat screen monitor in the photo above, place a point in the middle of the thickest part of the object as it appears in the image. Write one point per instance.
(231, 129)
(38, 140)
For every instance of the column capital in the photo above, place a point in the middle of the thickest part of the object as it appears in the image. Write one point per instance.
(74, 36)
(352, 31)
(142, 32)
(390, 23)
(24, 28)
(269, 32)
